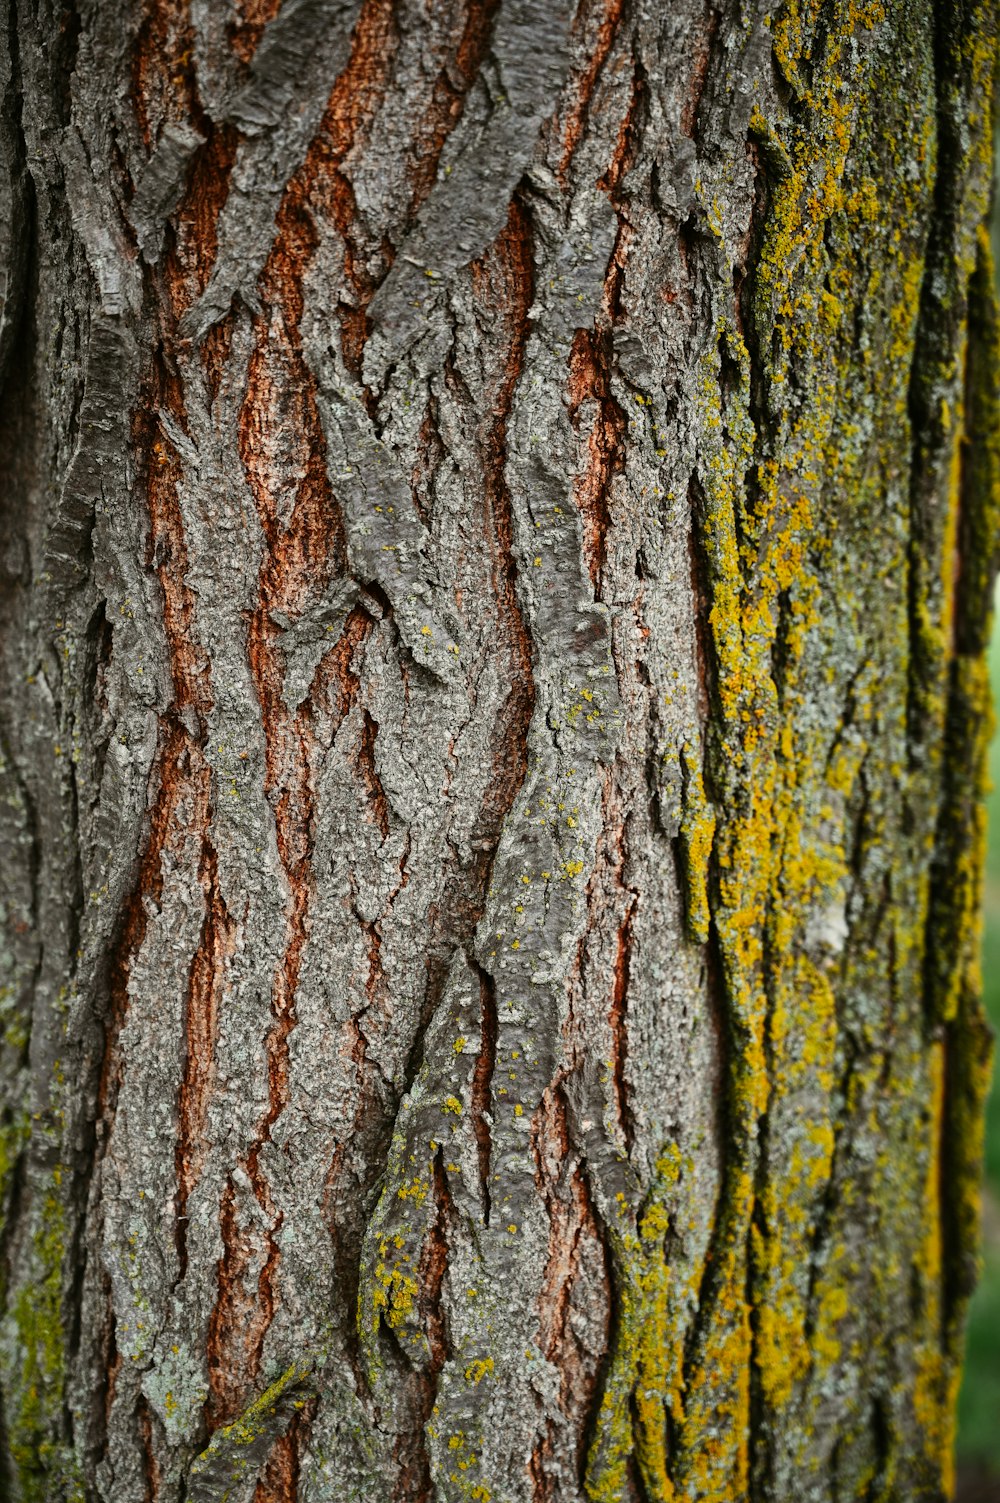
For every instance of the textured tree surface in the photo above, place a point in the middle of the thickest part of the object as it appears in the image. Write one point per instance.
(499, 502)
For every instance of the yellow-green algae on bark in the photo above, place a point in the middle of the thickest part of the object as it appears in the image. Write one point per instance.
(647, 1358)
(37, 1386)
(814, 440)
(237, 1451)
(36, 1336)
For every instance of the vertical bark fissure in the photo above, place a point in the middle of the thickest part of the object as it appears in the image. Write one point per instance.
(280, 1480)
(482, 1084)
(448, 99)
(230, 1315)
(619, 1031)
(433, 1269)
(247, 29)
(303, 545)
(180, 768)
(590, 386)
(574, 1230)
(200, 1025)
(145, 1425)
(576, 117)
(515, 251)
(939, 336)
(968, 1047)
(16, 255)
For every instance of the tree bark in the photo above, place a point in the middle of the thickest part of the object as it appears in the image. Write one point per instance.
(500, 503)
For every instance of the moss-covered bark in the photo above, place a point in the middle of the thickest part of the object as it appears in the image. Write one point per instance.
(500, 506)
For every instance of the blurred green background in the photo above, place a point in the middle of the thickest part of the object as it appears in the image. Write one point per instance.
(979, 1408)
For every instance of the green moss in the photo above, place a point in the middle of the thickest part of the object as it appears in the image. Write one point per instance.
(13, 1137)
(238, 1450)
(257, 1417)
(45, 1468)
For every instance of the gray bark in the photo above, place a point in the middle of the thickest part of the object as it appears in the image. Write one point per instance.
(499, 513)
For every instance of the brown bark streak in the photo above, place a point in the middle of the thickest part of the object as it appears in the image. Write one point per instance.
(180, 769)
(234, 1324)
(575, 1243)
(152, 1469)
(699, 73)
(481, 1103)
(377, 800)
(430, 452)
(590, 383)
(322, 189)
(458, 72)
(414, 1483)
(576, 118)
(205, 991)
(161, 67)
(510, 298)
(245, 33)
(298, 559)
(617, 1022)
(280, 1480)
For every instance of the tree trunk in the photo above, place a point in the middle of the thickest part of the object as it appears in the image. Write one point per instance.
(499, 509)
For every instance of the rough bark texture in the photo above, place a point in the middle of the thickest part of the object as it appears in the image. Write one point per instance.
(499, 502)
